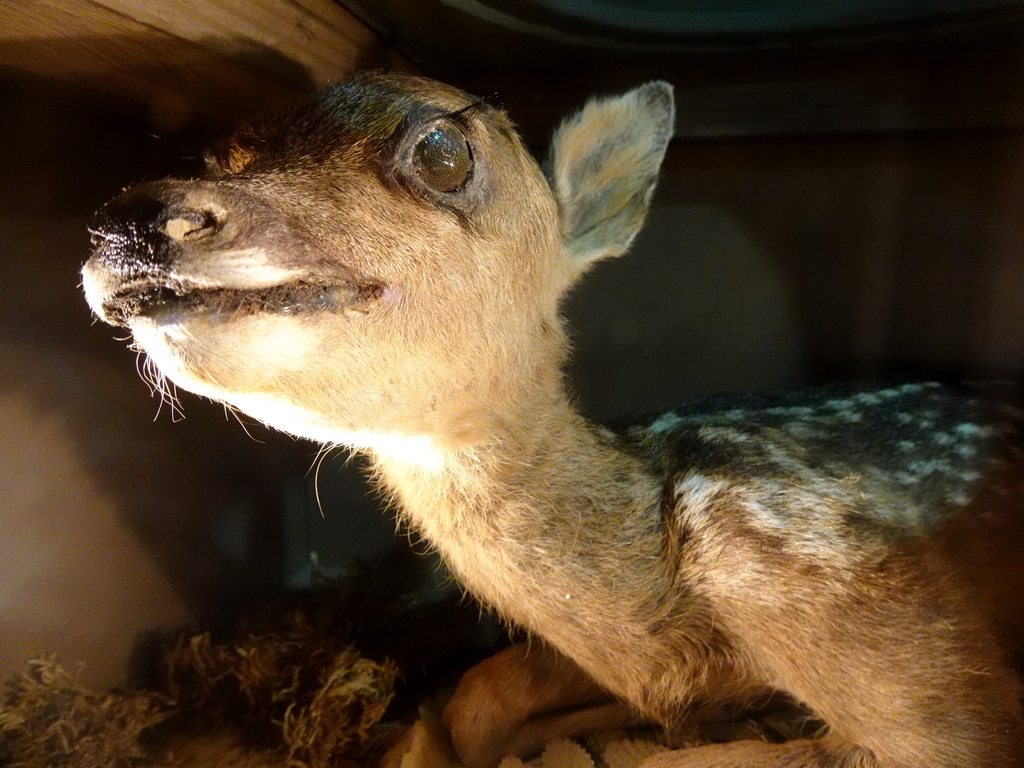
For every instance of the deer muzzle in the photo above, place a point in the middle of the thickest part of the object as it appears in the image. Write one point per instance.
(171, 249)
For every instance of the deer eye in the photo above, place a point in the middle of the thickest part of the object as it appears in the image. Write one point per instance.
(442, 160)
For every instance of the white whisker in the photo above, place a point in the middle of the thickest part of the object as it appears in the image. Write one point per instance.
(324, 451)
(228, 408)
(159, 385)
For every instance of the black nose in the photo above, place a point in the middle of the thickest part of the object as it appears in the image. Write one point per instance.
(141, 229)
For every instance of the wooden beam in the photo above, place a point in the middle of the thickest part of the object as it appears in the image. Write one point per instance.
(188, 62)
(318, 35)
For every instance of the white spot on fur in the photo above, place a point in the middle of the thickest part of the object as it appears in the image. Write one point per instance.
(972, 430)
(868, 398)
(797, 411)
(695, 493)
(665, 423)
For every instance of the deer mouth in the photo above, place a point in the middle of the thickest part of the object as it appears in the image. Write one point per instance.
(170, 302)
(172, 252)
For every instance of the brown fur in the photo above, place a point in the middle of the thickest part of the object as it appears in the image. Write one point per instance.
(691, 567)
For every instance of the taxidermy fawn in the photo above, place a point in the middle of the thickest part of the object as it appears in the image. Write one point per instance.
(381, 268)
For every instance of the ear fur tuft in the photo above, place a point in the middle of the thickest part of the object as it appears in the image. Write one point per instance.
(603, 165)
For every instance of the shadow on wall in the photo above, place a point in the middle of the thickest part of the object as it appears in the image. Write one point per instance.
(697, 306)
(771, 263)
(904, 255)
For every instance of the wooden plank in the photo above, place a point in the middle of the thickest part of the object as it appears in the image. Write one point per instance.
(319, 35)
(188, 62)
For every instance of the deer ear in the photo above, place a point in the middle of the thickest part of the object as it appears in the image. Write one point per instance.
(603, 165)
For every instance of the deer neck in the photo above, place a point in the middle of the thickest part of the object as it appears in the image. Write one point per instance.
(529, 495)
(533, 458)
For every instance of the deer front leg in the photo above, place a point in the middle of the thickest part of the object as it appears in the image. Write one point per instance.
(522, 697)
(892, 655)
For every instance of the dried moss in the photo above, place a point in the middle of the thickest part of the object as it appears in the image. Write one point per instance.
(48, 719)
(337, 722)
(295, 696)
(298, 688)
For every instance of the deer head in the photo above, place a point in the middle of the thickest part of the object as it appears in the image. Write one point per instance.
(381, 266)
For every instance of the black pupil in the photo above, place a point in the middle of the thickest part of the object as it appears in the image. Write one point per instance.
(442, 159)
